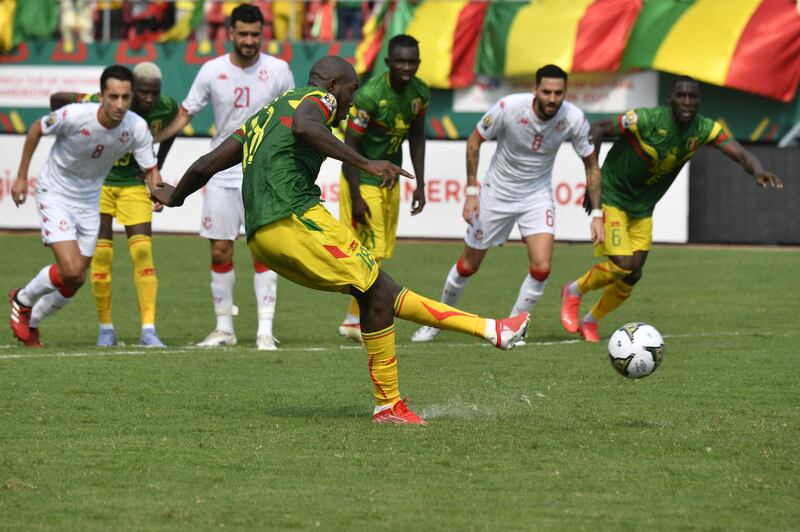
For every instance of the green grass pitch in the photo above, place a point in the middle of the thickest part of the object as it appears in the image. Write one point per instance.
(544, 437)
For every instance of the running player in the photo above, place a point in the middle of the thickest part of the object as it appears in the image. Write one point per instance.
(90, 138)
(653, 146)
(518, 189)
(281, 149)
(126, 198)
(237, 84)
(385, 111)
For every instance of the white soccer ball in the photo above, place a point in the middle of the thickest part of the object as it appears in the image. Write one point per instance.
(636, 350)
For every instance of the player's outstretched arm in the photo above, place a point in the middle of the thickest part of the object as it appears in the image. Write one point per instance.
(19, 190)
(416, 145)
(180, 121)
(227, 154)
(600, 130)
(60, 99)
(308, 124)
(751, 164)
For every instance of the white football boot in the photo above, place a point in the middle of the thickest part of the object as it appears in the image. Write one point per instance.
(266, 343)
(218, 339)
(425, 334)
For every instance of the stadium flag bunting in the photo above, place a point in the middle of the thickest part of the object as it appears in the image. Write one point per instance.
(184, 27)
(749, 45)
(31, 19)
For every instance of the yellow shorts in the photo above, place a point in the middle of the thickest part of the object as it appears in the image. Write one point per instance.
(624, 234)
(129, 205)
(316, 251)
(380, 234)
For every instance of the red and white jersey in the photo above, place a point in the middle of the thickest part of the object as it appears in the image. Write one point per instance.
(85, 151)
(527, 145)
(236, 94)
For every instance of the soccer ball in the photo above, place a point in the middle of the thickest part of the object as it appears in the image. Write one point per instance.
(636, 350)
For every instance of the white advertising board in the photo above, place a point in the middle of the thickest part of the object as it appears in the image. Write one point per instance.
(445, 181)
(31, 86)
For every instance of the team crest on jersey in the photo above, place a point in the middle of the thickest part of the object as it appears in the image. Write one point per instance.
(51, 119)
(362, 118)
(263, 74)
(523, 121)
(63, 225)
(487, 121)
(692, 143)
(85, 132)
(124, 137)
(561, 125)
(207, 222)
(661, 132)
(629, 119)
(416, 104)
(155, 126)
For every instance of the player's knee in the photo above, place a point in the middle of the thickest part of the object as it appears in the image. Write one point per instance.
(141, 253)
(221, 255)
(540, 272)
(73, 276)
(466, 267)
(633, 277)
(623, 262)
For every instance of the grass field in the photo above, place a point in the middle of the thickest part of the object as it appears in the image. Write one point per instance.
(545, 437)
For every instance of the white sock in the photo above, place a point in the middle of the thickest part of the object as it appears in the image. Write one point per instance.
(350, 319)
(148, 326)
(490, 332)
(106, 327)
(573, 289)
(529, 294)
(589, 318)
(37, 287)
(47, 305)
(222, 291)
(453, 286)
(266, 288)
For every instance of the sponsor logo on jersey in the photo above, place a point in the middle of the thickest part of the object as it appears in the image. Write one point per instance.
(124, 137)
(223, 76)
(85, 132)
(263, 75)
(629, 119)
(329, 100)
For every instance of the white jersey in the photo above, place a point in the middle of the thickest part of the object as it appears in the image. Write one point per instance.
(236, 94)
(526, 145)
(85, 151)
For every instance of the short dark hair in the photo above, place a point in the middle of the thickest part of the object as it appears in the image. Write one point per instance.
(119, 72)
(682, 79)
(550, 71)
(247, 13)
(403, 41)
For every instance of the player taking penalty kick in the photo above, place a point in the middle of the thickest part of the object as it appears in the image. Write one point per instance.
(652, 147)
(281, 149)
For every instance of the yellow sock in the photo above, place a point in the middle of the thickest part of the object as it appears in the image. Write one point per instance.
(383, 365)
(600, 275)
(101, 279)
(414, 307)
(144, 276)
(613, 296)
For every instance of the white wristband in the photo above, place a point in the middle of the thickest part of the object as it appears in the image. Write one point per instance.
(471, 190)
(596, 213)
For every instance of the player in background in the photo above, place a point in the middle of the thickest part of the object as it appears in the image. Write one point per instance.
(237, 84)
(518, 187)
(385, 111)
(652, 147)
(282, 149)
(90, 138)
(125, 197)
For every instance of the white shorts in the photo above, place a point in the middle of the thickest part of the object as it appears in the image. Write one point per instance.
(534, 215)
(223, 213)
(62, 221)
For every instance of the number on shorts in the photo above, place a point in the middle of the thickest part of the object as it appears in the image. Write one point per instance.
(549, 218)
(98, 151)
(616, 236)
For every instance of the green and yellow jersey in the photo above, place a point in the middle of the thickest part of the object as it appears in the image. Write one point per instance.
(280, 169)
(646, 159)
(382, 118)
(125, 171)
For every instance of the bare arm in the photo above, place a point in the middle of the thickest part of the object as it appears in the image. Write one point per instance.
(227, 154)
(309, 125)
(19, 190)
(416, 145)
(751, 164)
(471, 202)
(593, 178)
(60, 99)
(601, 129)
(180, 121)
(360, 209)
